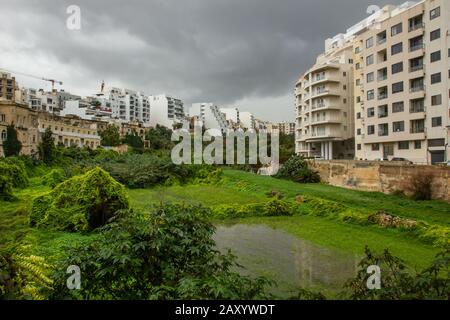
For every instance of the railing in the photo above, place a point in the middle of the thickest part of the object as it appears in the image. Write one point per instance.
(416, 109)
(416, 26)
(416, 68)
(382, 78)
(382, 96)
(381, 41)
(417, 88)
(416, 47)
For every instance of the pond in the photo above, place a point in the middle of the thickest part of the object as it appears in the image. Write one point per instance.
(292, 262)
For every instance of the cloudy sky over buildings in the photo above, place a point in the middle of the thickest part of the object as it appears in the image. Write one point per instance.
(245, 53)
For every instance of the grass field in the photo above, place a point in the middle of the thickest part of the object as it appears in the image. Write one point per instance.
(241, 188)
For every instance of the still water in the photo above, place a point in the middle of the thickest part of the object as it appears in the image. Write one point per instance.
(292, 262)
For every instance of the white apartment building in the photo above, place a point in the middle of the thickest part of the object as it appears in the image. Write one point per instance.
(402, 71)
(324, 103)
(247, 120)
(166, 111)
(232, 116)
(127, 105)
(210, 115)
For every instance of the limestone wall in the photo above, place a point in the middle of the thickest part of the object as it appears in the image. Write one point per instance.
(385, 177)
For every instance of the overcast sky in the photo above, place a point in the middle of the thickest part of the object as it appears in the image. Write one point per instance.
(244, 53)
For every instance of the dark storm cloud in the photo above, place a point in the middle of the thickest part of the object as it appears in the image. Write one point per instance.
(200, 50)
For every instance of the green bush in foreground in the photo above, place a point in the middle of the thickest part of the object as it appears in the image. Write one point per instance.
(81, 203)
(167, 253)
(16, 171)
(54, 177)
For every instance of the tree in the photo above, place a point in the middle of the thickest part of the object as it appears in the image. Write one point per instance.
(110, 136)
(12, 145)
(134, 141)
(160, 138)
(47, 149)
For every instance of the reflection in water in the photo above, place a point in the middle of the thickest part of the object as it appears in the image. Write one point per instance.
(290, 261)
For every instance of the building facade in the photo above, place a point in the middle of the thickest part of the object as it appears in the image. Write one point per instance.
(210, 116)
(324, 103)
(287, 127)
(402, 84)
(166, 111)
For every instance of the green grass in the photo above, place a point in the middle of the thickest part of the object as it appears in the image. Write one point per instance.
(352, 238)
(209, 195)
(435, 212)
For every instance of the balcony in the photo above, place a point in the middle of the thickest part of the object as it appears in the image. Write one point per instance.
(417, 88)
(416, 47)
(416, 26)
(382, 96)
(416, 67)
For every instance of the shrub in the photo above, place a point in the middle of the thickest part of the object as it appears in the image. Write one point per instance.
(322, 207)
(16, 171)
(167, 253)
(421, 185)
(54, 177)
(277, 207)
(6, 188)
(297, 169)
(397, 283)
(356, 217)
(81, 203)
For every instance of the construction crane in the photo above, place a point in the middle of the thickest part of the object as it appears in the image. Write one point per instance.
(53, 81)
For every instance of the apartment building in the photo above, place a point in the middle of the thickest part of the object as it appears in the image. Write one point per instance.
(166, 111)
(247, 120)
(402, 71)
(287, 127)
(8, 86)
(86, 109)
(210, 116)
(232, 116)
(324, 103)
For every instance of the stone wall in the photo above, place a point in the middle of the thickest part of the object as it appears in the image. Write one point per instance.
(386, 177)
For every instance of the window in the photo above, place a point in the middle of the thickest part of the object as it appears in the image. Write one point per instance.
(398, 107)
(370, 95)
(358, 146)
(358, 115)
(383, 129)
(382, 74)
(417, 126)
(398, 67)
(398, 126)
(3, 135)
(396, 48)
(435, 13)
(435, 56)
(417, 105)
(398, 28)
(370, 77)
(436, 142)
(381, 37)
(371, 130)
(345, 73)
(436, 122)
(436, 34)
(397, 87)
(358, 82)
(370, 112)
(436, 78)
(403, 145)
(375, 146)
(436, 100)
(416, 43)
(383, 111)
(369, 60)
(417, 144)
(369, 42)
(358, 66)
(358, 132)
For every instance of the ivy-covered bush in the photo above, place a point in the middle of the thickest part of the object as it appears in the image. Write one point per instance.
(166, 253)
(54, 177)
(6, 188)
(297, 169)
(81, 203)
(14, 169)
